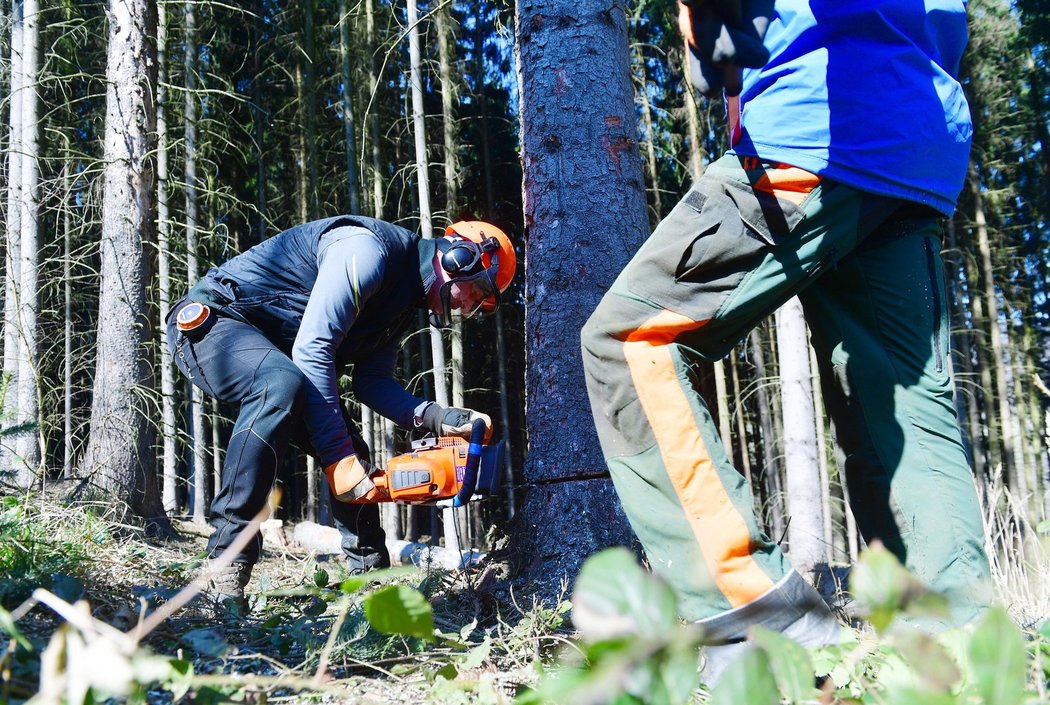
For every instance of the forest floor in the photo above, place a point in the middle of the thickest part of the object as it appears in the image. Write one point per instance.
(304, 636)
(76, 588)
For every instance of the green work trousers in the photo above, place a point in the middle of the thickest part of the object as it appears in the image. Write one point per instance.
(746, 238)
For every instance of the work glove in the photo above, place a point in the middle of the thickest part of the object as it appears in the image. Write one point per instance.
(452, 421)
(721, 36)
(350, 482)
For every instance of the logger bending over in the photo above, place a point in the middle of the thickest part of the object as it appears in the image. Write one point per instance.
(272, 331)
(851, 147)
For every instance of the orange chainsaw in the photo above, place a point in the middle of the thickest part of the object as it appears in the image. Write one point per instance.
(443, 470)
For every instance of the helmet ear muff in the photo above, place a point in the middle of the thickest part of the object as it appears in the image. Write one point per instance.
(461, 257)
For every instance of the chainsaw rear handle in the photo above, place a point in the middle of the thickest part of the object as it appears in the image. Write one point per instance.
(470, 472)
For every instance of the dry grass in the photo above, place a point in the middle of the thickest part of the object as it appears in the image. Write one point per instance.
(1018, 554)
(276, 649)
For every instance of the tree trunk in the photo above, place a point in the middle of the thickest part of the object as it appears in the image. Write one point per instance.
(345, 93)
(741, 420)
(437, 345)
(12, 281)
(481, 98)
(169, 457)
(1005, 422)
(963, 372)
(30, 444)
(642, 91)
(823, 475)
(806, 529)
(449, 93)
(119, 456)
(585, 216)
(258, 123)
(67, 317)
(373, 118)
(725, 425)
(767, 426)
(196, 402)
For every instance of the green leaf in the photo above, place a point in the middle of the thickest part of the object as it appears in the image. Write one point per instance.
(679, 673)
(1043, 527)
(206, 641)
(399, 609)
(882, 586)
(448, 672)
(477, 656)
(7, 623)
(748, 679)
(791, 665)
(321, 578)
(181, 678)
(384, 575)
(913, 696)
(614, 596)
(930, 661)
(997, 659)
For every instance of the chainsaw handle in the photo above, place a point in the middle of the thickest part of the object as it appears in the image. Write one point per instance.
(470, 472)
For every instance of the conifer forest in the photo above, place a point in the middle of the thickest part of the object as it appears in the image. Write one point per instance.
(145, 141)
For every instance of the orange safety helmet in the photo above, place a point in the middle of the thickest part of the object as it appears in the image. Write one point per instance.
(478, 253)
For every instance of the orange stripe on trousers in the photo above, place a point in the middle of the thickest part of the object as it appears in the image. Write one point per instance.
(719, 528)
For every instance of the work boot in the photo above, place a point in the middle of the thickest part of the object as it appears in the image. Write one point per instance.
(792, 608)
(225, 588)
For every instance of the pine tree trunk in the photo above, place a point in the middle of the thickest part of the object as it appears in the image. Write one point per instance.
(642, 91)
(481, 98)
(196, 403)
(258, 123)
(823, 475)
(373, 118)
(449, 92)
(741, 422)
(582, 175)
(119, 457)
(437, 346)
(767, 426)
(67, 314)
(1005, 421)
(353, 186)
(806, 528)
(169, 457)
(725, 425)
(962, 363)
(30, 444)
(12, 260)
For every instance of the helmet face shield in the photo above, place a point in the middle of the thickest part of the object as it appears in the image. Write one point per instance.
(478, 295)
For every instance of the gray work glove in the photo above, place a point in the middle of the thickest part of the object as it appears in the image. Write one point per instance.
(453, 421)
(721, 36)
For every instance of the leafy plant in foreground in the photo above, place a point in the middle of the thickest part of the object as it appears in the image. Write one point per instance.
(634, 650)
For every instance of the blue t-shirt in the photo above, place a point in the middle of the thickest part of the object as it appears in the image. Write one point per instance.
(864, 93)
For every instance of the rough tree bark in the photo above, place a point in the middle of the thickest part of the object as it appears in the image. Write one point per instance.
(585, 216)
(119, 458)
